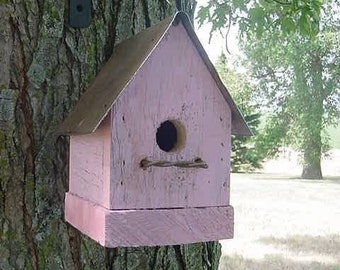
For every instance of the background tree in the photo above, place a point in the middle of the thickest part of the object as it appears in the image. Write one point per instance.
(298, 81)
(245, 157)
(45, 65)
(284, 36)
(300, 16)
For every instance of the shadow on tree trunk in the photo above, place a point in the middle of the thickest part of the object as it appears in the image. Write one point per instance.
(312, 171)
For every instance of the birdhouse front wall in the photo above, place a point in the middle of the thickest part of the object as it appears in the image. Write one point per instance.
(173, 84)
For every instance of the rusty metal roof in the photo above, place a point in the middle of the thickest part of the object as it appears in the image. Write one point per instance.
(125, 61)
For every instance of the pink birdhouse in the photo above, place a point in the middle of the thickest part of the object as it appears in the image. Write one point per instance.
(150, 144)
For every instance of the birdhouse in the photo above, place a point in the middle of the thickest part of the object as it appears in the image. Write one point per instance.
(150, 144)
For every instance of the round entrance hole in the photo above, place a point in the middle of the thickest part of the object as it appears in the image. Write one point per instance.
(170, 135)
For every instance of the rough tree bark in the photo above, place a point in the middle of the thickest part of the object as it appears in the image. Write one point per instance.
(44, 67)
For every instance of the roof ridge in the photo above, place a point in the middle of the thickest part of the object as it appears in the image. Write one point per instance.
(113, 78)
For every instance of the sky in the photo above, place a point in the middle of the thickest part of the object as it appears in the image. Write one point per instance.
(218, 43)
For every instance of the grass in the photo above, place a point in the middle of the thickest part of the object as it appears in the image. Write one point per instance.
(288, 224)
(334, 134)
(272, 262)
(328, 245)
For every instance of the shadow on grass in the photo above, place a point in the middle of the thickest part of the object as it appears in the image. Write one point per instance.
(271, 262)
(264, 176)
(327, 245)
(299, 245)
(332, 179)
(335, 179)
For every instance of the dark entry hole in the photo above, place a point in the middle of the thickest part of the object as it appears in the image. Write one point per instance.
(167, 136)
(80, 8)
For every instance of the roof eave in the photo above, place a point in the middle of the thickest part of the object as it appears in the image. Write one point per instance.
(239, 125)
(72, 125)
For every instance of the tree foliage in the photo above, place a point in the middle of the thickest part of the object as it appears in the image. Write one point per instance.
(298, 80)
(245, 156)
(292, 48)
(258, 16)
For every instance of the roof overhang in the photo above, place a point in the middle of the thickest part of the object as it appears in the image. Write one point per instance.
(114, 77)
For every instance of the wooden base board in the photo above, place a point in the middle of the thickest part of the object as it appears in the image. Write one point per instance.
(149, 227)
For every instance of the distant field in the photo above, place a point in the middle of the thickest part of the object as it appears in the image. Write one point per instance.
(334, 133)
(282, 223)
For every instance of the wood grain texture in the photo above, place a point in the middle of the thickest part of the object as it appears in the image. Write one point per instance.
(126, 60)
(154, 227)
(90, 164)
(86, 216)
(111, 80)
(173, 83)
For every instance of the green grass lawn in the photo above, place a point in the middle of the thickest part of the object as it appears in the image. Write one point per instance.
(334, 134)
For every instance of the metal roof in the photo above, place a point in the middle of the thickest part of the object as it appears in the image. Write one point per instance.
(116, 74)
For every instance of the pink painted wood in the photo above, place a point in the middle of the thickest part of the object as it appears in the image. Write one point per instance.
(173, 83)
(127, 228)
(90, 165)
(117, 203)
(86, 216)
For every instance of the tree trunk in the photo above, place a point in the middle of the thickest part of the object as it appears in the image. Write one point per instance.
(308, 108)
(311, 167)
(312, 171)
(314, 122)
(312, 146)
(45, 65)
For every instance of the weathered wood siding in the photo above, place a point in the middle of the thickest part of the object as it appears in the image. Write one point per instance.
(157, 227)
(90, 165)
(175, 84)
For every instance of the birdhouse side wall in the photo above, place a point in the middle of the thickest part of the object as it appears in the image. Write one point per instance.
(90, 165)
(173, 84)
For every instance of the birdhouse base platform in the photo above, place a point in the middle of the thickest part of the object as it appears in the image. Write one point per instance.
(149, 227)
